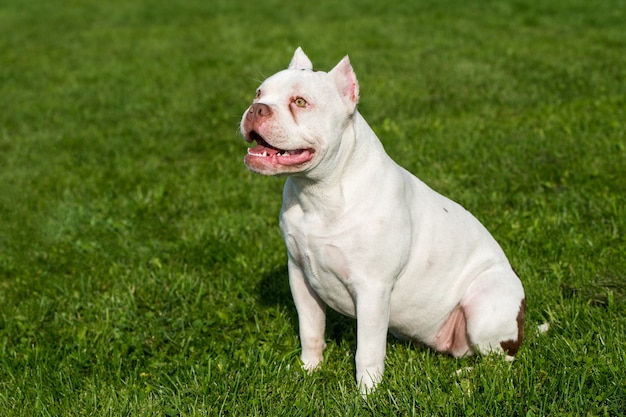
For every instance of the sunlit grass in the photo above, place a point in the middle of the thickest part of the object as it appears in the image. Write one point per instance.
(142, 271)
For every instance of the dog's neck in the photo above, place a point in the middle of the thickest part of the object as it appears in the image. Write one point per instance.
(323, 187)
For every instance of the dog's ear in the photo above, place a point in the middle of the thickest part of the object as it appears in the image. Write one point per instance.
(346, 82)
(300, 61)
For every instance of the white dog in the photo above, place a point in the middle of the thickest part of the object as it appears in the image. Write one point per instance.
(369, 239)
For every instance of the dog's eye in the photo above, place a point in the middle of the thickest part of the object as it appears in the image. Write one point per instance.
(258, 94)
(300, 102)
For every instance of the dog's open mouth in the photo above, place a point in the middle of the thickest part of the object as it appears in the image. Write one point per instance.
(265, 154)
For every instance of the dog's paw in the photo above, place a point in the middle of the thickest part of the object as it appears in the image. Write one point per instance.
(368, 381)
(311, 364)
(463, 371)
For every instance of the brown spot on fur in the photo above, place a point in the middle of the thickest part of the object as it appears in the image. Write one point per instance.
(512, 346)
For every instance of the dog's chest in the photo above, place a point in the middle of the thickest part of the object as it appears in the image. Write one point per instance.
(322, 258)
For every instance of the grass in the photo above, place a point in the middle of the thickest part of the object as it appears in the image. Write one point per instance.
(141, 268)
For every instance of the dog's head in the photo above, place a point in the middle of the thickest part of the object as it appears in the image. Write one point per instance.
(298, 116)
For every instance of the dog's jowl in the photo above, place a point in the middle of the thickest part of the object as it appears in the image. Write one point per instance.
(369, 239)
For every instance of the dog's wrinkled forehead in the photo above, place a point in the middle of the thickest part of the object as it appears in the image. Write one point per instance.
(292, 82)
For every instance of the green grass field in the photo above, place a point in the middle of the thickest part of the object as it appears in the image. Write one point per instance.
(142, 272)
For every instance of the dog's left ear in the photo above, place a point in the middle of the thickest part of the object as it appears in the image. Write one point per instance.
(346, 82)
(300, 61)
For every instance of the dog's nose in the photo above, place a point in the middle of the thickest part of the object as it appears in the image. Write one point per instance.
(258, 111)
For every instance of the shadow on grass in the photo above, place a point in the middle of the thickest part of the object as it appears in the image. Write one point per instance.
(604, 291)
(273, 291)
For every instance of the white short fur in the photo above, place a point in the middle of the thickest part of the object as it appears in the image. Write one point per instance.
(366, 237)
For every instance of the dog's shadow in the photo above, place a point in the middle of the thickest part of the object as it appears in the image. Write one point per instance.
(273, 291)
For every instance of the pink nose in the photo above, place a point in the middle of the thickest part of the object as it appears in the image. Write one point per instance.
(258, 112)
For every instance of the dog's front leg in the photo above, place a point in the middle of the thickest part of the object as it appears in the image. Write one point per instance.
(311, 318)
(372, 325)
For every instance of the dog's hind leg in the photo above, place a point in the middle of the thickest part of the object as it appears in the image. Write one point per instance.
(452, 337)
(494, 308)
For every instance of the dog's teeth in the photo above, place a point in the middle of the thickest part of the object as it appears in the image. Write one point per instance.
(286, 153)
(264, 154)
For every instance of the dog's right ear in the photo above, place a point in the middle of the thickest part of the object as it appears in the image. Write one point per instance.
(346, 82)
(300, 61)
